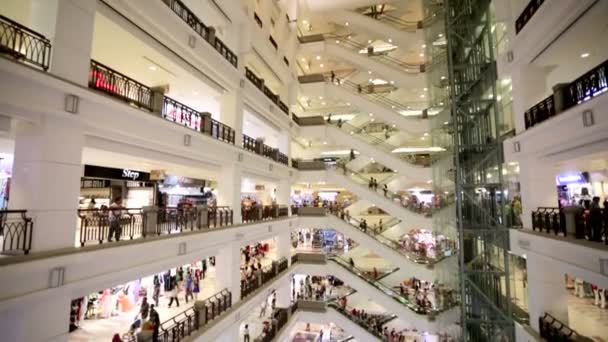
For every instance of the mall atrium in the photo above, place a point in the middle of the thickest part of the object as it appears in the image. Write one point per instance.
(303, 170)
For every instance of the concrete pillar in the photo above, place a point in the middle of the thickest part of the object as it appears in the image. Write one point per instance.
(228, 262)
(229, 189)
(47, 169)
(546, 290)
(283, 292)
(529, 88)
(72, 39)
(284, 245)
(231, 113)
(51, 315)
(150, 220)
(283, 192)
(538, 188)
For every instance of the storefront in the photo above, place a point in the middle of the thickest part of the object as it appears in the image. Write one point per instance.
(176, 189)
(579, 188)
(103, 185)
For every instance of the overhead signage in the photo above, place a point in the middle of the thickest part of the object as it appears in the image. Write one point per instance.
(570, 178)
(111, 173)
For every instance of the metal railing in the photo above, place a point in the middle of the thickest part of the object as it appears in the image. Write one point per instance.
(256, 212)
(273, 42)
(552, 329)
(118, 85)
(218, 130)
(589, 224)
(24, 44)
(258, 147)
(588, 86)
(527, 14)
(16, 229)
(115, 224)
(257, 19)
(194, 318)
(259, 83)
(181, 114)
(207, 33)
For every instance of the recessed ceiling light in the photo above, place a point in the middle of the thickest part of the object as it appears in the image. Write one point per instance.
(348, 36)
(370, 80)
(372, 120)
(585, 55)
(426, 89)
(422, 96)
(423, 46)
(337, 41)
(421, 55)
(325, 143)
(441, 103)
(195, 92)
(440, 35)
(152, 67)
(323, 103)
(443, 77)
(369, 72)
(392, 82)
(426, 134)
(348, 103)
(394, 125)
(390, 40)
(303, 59)
(369, 41)
(320, 97)
(322, 65)
(371, 114)
(304, 21)
(318, 58)
(346, 23)
(422, 138)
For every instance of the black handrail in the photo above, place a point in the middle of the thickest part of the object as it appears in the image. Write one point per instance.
(588, 86)
(590, 224)
(16, 229)
(527, 14)
(552, 329)
(258, 147)
(116, 84)
(24, 44)
(273, 42)
(259, 83)
(181, 114)
(203, 31)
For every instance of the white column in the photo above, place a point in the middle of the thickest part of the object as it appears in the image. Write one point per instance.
(229, 189)
(45, 319)
(283, 191)
(46, 179)
(283, 292)
(538, 188)
(73, 37)
(231, 112)
(546, 290)
(228, 266)
(528, 89)
(284, 245)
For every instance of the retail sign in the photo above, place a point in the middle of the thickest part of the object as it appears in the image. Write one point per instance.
(570, 178)
(110, 173)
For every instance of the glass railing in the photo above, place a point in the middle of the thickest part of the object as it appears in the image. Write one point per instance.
(590, 85)
(380, 144)
(24, 44)
(205, 32)
(16, 230)
(445, 298)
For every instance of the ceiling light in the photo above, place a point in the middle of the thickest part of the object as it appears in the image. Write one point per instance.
(369, 41)
(394, 125)
(337, 41)
(370, 80)
(346, 23)
(421, 55)
(372, 120)
(307, 67)
(348, 103)
(320, 97)
(426, 89)
(351, 132)
(440, 35)
(348, 37)
(392, 82)
(422, 96)
(371, 114)
(422, 138)
(429, 181)
(304, 22)
(447, 122)
(441, 103)
(322, 65)
(303, 59)
(393, 107)
(152, 67)
(585, 55)
(195, 93)
(443, 77)
(318, 58)
(390, 40)
(423, 46)
(426, 134)
(369, 72)
(325, 143)
(506, 81)
(323, 103)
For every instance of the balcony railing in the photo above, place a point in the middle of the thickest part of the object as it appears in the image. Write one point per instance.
(117, 85)
(181, 114)
(188, 321)
(552, 329)
(273, 42)
(258, 147)
(16, 230)
(583, 89)
(527, 14)
(259, 83)
(589, 224)
(261, 277)
(258, 20)
(111, 224)
(208, 34)
(256, 213)
(24, 44)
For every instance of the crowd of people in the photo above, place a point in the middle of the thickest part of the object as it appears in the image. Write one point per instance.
(426, 296)
(251, 261)
(315, 288)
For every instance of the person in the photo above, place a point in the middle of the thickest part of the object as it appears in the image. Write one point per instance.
(347, 215)
(197, 288)
(204, 268)
(333, 76)
(351, 262)
(263, 309)
(116, 338)
(321, 334)
(246, 333)
(375, 184)
(370, 184)
(359, 88)
(307, 327)
(155, 318)
(340, 123)
(364, 226)
(189, 286)
(156, 293)
(91, 205)
(144, 309)
(352, 154)
(329, 118)
(380, 226)
(115, 214)
(173, 293)
(385, 190)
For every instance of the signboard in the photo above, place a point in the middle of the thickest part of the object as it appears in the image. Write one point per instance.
(570, 178)
(110, 173)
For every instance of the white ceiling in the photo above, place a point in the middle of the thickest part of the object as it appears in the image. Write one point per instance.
(122, 51)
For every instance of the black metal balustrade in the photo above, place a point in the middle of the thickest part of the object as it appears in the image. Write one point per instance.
(207, 33)
(256, 212)
(249, 143)
(259, 83)
(551, 329)
(588, 86)
(181, 114)
(527, 14)
(261, 277)
(115, 84)
(220, 131)
(590, 224)
(258, 147)
(16, 229)
(188, 321)
(273, 42)
(111, 224)
(24, 44)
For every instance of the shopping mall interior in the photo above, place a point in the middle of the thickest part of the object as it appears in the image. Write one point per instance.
(303, 170)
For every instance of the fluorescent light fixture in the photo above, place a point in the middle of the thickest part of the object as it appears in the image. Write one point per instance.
(152, 67)
(447, 122)
(417, 149)
(323, 103)
(426, 134)
(585, 55)
(421, 55)
(321, 65)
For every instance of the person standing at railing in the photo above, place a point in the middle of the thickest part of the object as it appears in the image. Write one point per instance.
(385, 190)
(115, 215)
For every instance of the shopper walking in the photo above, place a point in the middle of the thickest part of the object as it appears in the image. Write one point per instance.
(246, 333)
(155, 319)
(115, 214)
(385, 190)
(156, 293)
(144, 309)
(189, 286)
(173, 293)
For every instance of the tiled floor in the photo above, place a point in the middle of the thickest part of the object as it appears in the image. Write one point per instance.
(102, 330)
(587, 319)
